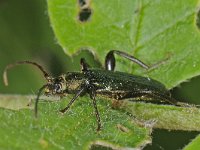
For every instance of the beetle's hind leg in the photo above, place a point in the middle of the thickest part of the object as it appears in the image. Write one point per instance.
(93, 95)
(110, 60)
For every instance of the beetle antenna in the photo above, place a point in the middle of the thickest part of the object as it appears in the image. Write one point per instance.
(5, 79)
(37, 98)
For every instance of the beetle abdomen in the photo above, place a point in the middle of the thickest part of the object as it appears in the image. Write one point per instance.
(119, 86)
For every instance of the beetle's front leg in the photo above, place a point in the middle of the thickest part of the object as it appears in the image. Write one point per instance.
(73, 99)
(110, 60)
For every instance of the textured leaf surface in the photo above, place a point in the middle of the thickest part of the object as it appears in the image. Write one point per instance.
(165, 116)
(194, 144)
(77, 128)
(157, 32)
(73, 130)
(153, 31)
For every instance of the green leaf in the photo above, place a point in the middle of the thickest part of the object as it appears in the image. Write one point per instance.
(195, 144)
(15, 102)
(74, 130)
(152, 31)
(165, 116)
(127, 126)
(157, 32)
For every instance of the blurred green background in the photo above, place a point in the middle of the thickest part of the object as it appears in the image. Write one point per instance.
(26, 34)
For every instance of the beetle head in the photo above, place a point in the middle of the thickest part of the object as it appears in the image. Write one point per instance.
(55, 86)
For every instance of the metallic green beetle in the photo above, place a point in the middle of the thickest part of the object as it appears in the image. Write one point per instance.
(108, 83)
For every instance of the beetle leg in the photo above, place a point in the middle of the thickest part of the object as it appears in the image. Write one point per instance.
(37, 98)
(92, 96)
(84, 65)
(73, 100)
(110, 60)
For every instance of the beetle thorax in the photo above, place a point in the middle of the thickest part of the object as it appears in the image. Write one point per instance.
(74, 81)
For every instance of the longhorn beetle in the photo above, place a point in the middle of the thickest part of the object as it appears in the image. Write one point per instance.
(115, 85)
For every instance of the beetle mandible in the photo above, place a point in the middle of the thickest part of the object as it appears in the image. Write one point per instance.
(108, 83)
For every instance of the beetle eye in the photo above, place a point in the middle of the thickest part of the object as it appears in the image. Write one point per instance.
(57, 88)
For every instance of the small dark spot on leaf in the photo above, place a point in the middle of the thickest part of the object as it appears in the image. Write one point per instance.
(82, 3)
(198, 19)
(137, 11)
(84, 14)
(85, 10)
